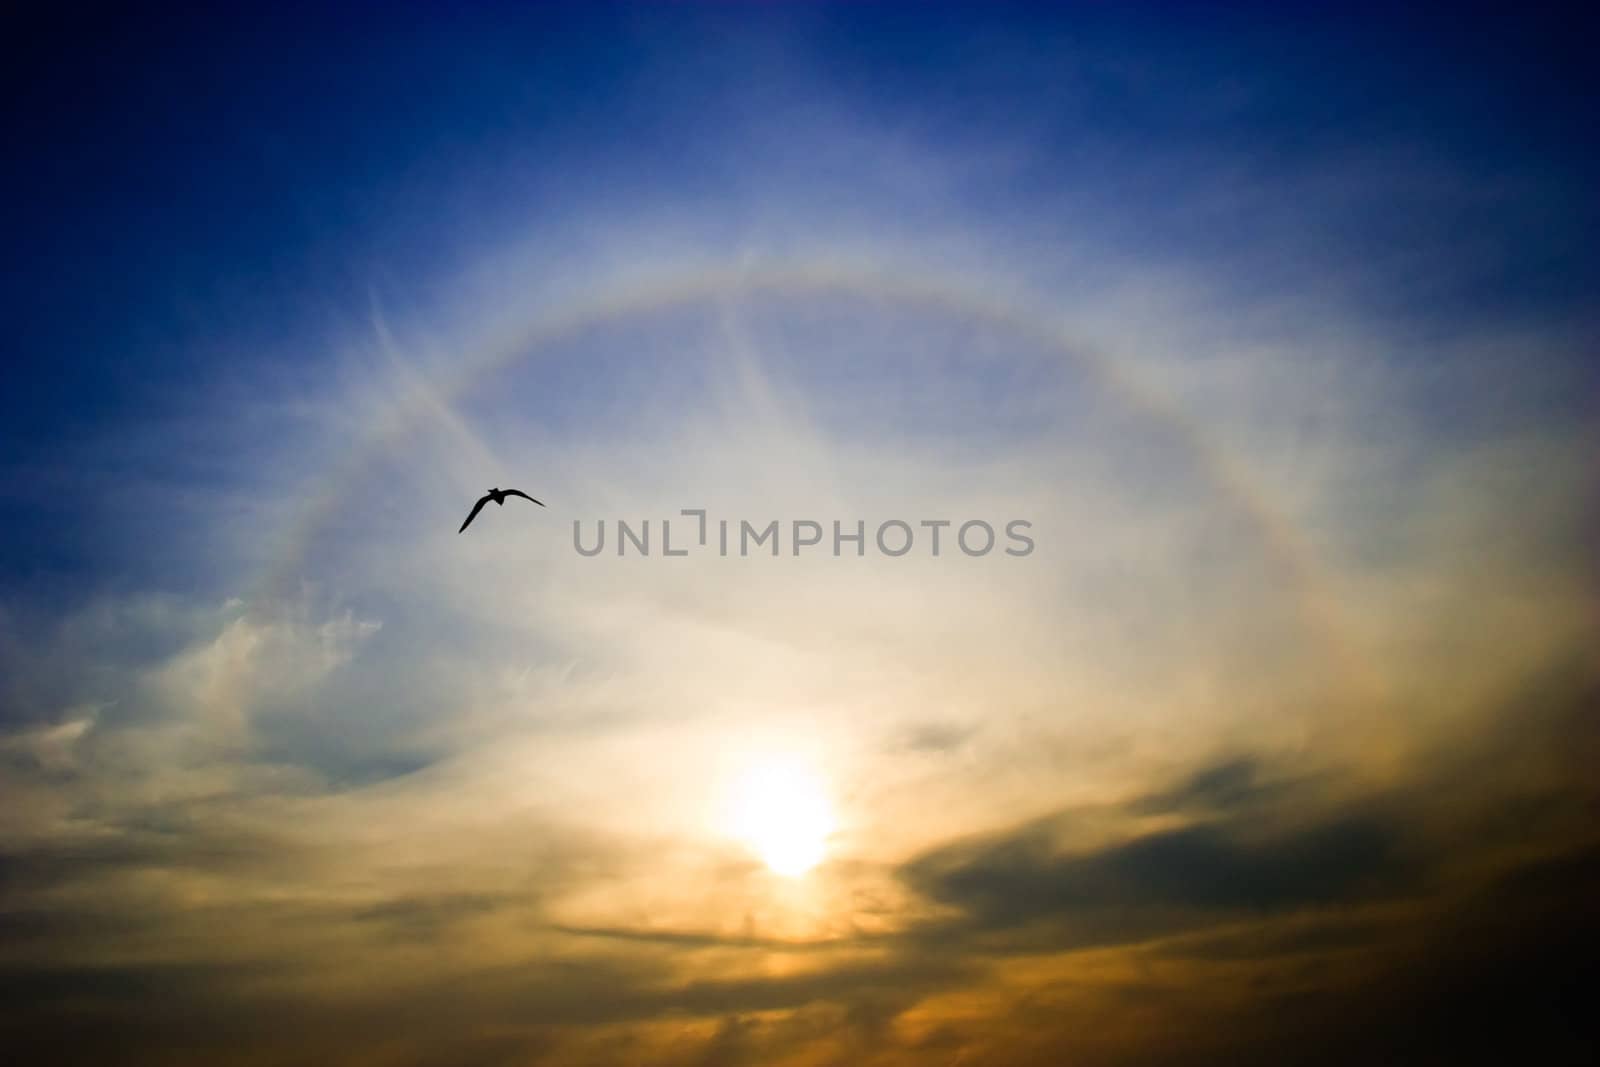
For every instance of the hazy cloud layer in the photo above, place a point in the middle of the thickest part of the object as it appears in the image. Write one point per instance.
(1279, 745)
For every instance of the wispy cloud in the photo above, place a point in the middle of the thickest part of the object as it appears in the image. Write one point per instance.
(1283, 729)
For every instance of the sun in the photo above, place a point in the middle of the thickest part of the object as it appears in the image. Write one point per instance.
(780, 810)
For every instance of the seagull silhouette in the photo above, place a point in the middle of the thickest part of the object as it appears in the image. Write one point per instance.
(498, 495)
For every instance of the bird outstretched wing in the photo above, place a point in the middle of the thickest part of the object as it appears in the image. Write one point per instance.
(482, 500)
(525, 496)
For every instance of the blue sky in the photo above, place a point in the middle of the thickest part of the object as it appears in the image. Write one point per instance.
(201, 199)
(1276, 326)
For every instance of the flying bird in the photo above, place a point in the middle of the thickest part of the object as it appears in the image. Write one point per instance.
(498, 495)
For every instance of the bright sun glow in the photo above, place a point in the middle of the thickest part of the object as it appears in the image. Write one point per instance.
(781, 811)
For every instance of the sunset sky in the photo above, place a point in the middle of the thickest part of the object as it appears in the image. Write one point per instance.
(1277, 331)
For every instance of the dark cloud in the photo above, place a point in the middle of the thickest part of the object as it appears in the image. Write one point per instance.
(139, 844)
(936, 737)
(693, 938)
(1227, 784)
(1158, 882)
(430, 915)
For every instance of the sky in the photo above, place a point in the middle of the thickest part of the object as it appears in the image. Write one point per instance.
(1272, 735)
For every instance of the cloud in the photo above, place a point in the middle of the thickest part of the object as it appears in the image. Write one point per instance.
(1223, 785)
(1289, 716)
(1161, 882)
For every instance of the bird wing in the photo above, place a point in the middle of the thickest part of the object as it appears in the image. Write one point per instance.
(525, 496)
(482, 500)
